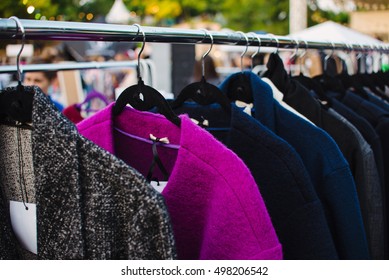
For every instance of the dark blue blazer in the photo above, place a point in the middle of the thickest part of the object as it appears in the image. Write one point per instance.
(326, 166)
(378, 102)
(294, 207)
(301, 99)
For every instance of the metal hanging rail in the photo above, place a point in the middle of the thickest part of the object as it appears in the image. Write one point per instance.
(78, 31)
(69, 66)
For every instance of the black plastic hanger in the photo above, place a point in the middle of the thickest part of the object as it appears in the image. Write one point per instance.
(351, 82)
(359, 81)
(308, 82)
(203, 92)
(239, 87)
(328, 80)
(16, 103)
(143, 97)
(375, 81)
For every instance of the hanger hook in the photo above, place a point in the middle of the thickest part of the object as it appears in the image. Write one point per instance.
(259, 48)
(19, 25)
(302, 55)
(381, 51)
(245, 51)
(294, 55)
(305, 49)
(277, 41)
(376, 49)
(142, 48)
(328, 56)
(359, 56)
(350, 48)
(360, 53)
(207, 52)
(296, 49)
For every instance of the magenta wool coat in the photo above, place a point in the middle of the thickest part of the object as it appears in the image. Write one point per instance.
(216, 209)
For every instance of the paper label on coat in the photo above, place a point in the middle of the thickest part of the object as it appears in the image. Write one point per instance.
(24, 224)
(247, 107)
(158, 186)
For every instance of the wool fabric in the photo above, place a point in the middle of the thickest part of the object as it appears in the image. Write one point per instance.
(294, 207)
(214, 203)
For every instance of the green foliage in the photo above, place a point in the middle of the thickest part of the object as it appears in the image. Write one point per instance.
(96, 7)
(244, 15)
(19, 8)
(316, 16)
(249, 15)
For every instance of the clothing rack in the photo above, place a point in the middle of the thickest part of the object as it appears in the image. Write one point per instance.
(78, 31)
(69, 66)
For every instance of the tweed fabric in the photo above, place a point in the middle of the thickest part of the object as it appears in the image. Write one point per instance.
(90, 205)
(16, 172)
(10, 170)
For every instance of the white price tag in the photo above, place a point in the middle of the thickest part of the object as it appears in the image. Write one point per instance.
(159, 188)
(24, 224)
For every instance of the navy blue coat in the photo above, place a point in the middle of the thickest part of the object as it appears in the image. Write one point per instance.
(366, 181)
(326, 166)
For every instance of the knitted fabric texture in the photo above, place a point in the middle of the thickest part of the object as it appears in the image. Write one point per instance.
(293, 205)
(16, 170)
(90, 205)
(216, 208)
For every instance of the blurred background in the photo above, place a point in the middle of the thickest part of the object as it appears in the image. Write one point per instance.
(345, 20)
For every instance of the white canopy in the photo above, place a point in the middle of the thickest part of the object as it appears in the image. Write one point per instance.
(119, 14)
(334, 32)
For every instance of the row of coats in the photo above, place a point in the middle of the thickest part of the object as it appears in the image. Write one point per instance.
(275, 179)
(357, 120)
(93, 205)
(300, 171)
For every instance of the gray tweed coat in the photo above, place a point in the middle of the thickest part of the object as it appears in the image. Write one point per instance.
(90, 205)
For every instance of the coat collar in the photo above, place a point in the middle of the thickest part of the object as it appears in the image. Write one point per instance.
(264, 102)
(54, 146)
(189, 137)
(219, 120)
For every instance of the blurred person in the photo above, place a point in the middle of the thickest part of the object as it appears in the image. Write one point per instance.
(45, 80)
(5, 78)
(244, 63)
(125, 77)
(51, 53)
(100, 80)
(211, 76)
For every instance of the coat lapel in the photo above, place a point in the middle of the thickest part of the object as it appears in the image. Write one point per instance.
(54, 144)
